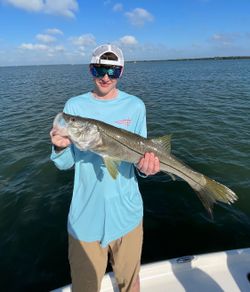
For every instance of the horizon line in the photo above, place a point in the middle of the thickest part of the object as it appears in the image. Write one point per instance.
(151, 60)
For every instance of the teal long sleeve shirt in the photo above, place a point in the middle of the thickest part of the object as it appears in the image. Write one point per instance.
(102, 208)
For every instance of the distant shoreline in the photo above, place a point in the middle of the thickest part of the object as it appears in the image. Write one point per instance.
(195, 59)
(155, 60)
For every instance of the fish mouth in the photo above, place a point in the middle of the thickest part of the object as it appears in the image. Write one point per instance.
(60, 125)
(59, 121)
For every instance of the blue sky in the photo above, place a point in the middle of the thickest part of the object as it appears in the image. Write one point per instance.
(34, 32)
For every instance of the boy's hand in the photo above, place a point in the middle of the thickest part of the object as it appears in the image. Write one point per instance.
(58, 140)
(149, 164)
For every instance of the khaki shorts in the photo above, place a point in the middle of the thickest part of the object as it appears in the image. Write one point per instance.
(88, 261)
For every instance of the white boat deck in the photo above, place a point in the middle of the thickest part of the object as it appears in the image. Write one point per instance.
(214, 272)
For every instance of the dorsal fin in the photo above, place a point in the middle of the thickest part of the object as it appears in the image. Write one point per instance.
(164, 142)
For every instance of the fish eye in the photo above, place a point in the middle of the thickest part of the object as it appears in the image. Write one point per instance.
(73, 119)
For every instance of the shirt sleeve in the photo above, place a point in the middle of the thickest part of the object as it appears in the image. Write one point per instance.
(64, 159)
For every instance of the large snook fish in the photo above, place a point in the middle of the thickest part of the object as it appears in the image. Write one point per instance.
(115, 145)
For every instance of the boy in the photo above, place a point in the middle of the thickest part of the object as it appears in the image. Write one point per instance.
(105, 217)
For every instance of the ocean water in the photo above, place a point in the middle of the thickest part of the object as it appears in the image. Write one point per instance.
(205, 105)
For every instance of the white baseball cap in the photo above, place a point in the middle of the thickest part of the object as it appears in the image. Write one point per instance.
(107, 48)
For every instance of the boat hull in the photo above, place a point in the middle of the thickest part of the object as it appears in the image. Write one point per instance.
(220, 271)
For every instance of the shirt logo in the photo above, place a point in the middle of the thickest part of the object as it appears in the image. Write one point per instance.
(125, 122)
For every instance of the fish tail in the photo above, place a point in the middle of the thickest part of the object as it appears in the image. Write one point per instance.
(212, 192)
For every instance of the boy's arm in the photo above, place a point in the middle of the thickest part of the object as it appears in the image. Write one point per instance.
(62, 151)
(63, 159)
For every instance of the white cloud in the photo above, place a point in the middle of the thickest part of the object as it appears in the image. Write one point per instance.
(34, 47)
(81, 50)
(61, 7)
(218, 37)
(45, 38)
(29, 5)
(84, 40)
(54, 31)
(128, 40)
(118, 7)
(223, 39)
(53, 51)
(59, 48)
(43, 51)
(139, 16)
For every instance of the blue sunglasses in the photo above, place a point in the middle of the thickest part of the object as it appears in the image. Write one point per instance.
(113, 72)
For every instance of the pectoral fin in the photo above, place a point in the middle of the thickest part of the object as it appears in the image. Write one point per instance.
(112, 166)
